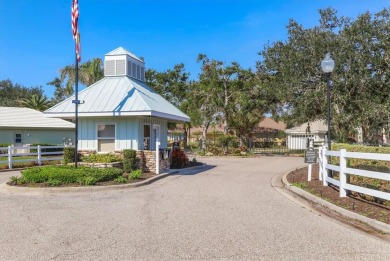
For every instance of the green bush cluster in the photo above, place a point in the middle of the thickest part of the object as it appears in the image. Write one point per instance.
(101, 158)
(129, 160)
(121, 179)
(69, 155)
(135, 174)
(57, 175)
(5, 151)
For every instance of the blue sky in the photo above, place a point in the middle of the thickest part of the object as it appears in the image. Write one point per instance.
(36, 40)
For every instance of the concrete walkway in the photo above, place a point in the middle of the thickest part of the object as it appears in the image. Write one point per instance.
(229, 212)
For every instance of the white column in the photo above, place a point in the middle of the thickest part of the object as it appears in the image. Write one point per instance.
(324, 170)
(9, 157)
(320, 163)
(309, 172)
(157, 156)
(343, 175)
(39, 155)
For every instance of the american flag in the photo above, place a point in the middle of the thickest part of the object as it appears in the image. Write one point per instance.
(75, 27)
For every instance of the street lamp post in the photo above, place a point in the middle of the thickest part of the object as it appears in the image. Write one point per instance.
(327, 66)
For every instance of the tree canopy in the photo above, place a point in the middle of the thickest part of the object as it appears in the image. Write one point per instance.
(12, 93)
(360, 89)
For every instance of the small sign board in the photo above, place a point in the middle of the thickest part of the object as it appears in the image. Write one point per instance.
(311, 156)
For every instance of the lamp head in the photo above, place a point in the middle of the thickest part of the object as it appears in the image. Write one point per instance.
(327, 65)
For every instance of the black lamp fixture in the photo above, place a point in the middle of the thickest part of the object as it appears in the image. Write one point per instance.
(327, 66)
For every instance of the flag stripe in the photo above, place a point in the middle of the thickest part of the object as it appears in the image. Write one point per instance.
(75, 28)
(75, 18)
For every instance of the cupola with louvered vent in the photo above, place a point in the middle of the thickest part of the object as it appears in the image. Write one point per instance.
(121, 62)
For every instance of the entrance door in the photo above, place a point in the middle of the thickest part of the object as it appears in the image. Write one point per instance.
(155, 135)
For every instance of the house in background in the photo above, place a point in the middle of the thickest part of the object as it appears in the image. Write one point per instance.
(24, 126)
(297, 136)
(268, 129)
(120, 111)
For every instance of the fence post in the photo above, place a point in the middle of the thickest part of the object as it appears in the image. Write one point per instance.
(9, 157)
(343, 175)
(39, 155)
(324, 170)
(320, 163)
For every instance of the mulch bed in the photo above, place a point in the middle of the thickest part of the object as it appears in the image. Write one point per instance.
(330, 193)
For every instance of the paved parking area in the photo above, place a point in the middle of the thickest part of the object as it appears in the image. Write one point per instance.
(228, 212)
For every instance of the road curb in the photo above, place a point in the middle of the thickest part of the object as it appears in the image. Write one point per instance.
(377, 225)
(4, 188)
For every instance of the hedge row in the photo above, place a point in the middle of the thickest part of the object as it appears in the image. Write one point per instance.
(375, 165)
(69, 174)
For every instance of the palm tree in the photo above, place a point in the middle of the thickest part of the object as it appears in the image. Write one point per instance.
(89, 73)
(37, 102)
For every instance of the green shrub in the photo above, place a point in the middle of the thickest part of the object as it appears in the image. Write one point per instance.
(54, 182)
(4, 151)
(14, 179)
(69, 174)
(121, 179)
(226, 140)
(129, 160)
(101, 158)
(21, 181)
(215, 150)
(87, 181)
(136, 174)
(69, 155)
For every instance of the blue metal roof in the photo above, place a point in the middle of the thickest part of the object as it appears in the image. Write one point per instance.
(118, 96)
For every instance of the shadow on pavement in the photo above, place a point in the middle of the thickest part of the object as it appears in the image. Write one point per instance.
(193, 170)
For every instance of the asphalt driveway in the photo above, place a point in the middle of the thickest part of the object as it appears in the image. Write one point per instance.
(230, 211)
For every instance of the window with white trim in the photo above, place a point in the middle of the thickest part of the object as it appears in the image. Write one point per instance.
(146, 136)
(106, 137)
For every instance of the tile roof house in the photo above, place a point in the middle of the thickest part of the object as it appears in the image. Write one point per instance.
(120, 111)
(267, 128)
(21, 126)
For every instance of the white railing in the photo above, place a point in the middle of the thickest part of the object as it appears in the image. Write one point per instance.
(325, 167)
(12, 154)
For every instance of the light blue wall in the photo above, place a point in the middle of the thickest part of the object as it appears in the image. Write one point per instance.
(163, 130)
(30, 136)
(126, 132)
(129, 131)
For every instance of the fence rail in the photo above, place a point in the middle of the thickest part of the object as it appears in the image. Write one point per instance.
(13, 156)
(275, 150)
(342, 183)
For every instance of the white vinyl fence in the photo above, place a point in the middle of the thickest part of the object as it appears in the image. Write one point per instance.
(19, 154)
(325, 167)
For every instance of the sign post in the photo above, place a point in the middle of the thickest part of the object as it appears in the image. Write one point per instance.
(157, 156)
(310, 157)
